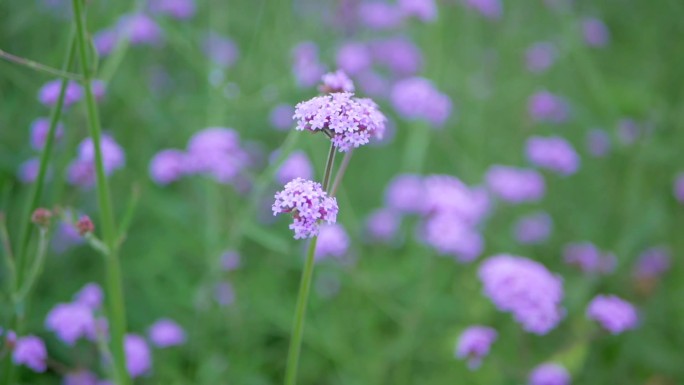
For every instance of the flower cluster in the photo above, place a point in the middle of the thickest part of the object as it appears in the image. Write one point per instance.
(308, 204)
(553, 153)
(474, 344)
(533, 228)
(418, 99)
(81, 171)
(544, 106)
(549, 374)
(588, 258)
(613, 313)
(515, 185)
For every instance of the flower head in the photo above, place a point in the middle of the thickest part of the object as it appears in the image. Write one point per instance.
(167, 166)
(39, 131)
(613, 313)
(400, 55)
(71, 321)
(230, 260)
(216, 151)
(418, 99)
(447, 194)
(178, 9)
(524, 288)
(544, 106)
(540, 56)
(30, 351)
(337, 81)
(281, 116)
(449, 234)
(90, 296)
(549, 374)
(49, 93)
(379, 15)
(221, 50)
(165, 333)
(598, 143)
(596, 33)
(383, 224)
(553, 153)
(515, 185)
(588, 258)
(424, 10)
(533, 228)
(306, 65)
(351, 121)
(297, 165)
(308, 204)
(353, 58)
(333, 241)
(80, 377)
(491, 9)
(406, 193)
(474, 344)
(140, 29)
(138, 356)
(652, 263)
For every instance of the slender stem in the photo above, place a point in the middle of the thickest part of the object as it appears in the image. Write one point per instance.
(36, 267)
(38, 66)
(7, 247)
(300, 313)
(117, 315)
(329, 166)
(340, 172)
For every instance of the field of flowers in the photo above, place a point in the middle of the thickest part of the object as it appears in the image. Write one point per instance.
(341, 192)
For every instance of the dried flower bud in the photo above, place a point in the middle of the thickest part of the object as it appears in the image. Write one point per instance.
(85, 225)
(41, 217)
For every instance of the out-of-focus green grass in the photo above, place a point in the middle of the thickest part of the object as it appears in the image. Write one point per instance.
(399, 310)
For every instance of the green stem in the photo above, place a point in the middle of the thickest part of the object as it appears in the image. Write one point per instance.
(7, 247)
(329, 166)
(117, 315)
(300, 313)
(38, 66)
(36, 267)
(340, 172)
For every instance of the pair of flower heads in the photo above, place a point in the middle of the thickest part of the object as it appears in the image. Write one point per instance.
(349, 122)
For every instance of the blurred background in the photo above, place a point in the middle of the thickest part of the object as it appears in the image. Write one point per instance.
(466, 85)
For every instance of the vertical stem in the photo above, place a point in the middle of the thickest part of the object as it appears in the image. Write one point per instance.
(329, 166)
(117, 315)
(300, 313)
(340, 173)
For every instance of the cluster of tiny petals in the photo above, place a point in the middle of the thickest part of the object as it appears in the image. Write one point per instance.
(613, 313)
(308, 204)
(549, 374)
(352, 121)
(588, 258)
(337, 81)
(526, 289)
(474, 344)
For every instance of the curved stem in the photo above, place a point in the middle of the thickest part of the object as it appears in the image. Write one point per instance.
(117, 315)
(329, 166)
(340, 172)
(300, 313)
(38, 66)
(36, 267)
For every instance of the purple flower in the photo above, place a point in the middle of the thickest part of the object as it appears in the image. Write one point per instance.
(543, 106)
(308, 204)
(305, 64)
(598, 143)
(596, 33)
(491, 9)
(113, 157)
(165, 333)
(140, 29)
(230, 260)
(30, 351)
(281, 116)
(167, 166)
(418, 99)
(216, 151)
(28, 171)
(351, 121)
(138, 356)
(533, 228)
(679, 187)
(49, 93)
(379, 15)
(178, 9)
(549, 374)
(539, 57)
(628, 131)
(333, 241)
(71, 321)
(90, 296)
(297, 165)
(613, 313)
(39, 131)
(450, 235)
(424, 10)
(80, 377)
(224, 294)
(99, 89)
(474, 344)
(65, 237)
(105, 41)
(336, 81)
(383, 224)
(406, 194)
(354, 58)
(553, 153)
(399, 55)
(652, 263)
(588, 258)
(524, 288)
(447, 194)
(515, 185)
(374, 84)
(221, 50)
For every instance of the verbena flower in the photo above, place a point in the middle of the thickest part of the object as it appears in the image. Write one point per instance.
(423, 10)
(549, 374)
(474, 344)
(167, 166)
(90, 296)
(588, 258)
(613, 313)
(491, 9)
(543, 106)
(305, 64)
(216, 151)
(406, 194)
(628, 131)
(333, 241)
(379, 15)
(138, 356)
(354, 58)
(418, 99)
(308, 204)
(595, 32)
(105, 41)
(28, 171)
(224, 294)
(80, 377)
(382, 225)
(447, 194)
(598, 143)
(140, 29)
(39, 131)
(373, 83)
(533, 228)
(230, 260)
(524, 288)
(652, 263)
(165, 333)
(81, 171)
(515, 185)
(71, 321)
(49, 93)
(553, 153)
(540, 56)
(398, 54)
(30, 351)
(297, 165)
(337, 81)
(178, 9)
(449, 234)
(351, 121)
(281, 116)
(678, 187)
(221, 50)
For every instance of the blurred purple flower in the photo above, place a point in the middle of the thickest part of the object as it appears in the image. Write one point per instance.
(679, 187)
(167, 166)
(474, 344)
(80, 377)
(140, 29)
(113, 157)
(417, 98)
(138, 356)
(382, 225)
(49, 93)
(543, 106)
(540, 56)
(449, 234)
(652, 263)
(515, 185)
(90, 296)
(447, 194)
(281, 116)
(306, 65)
(553, 153)
(524, 288)
(224, 294)
(598, 143)
(39, 132)
(628, 131)
(374, 84)
(297, 165)
(308, 204)
(379, 15)
(28, 171)
(491, 9)
(405, 194)
(216, 151)
(423, 10)
(399, 55)
(337, 81)
(71, 321)
(353, 58)
(99, 89)
(588, 258)
(549, 374)
(105, 41)
(30, 351)
(333, 241)
(178, 9)
(533, 228)
(230, 260)
(66, 236)
(613, 313)
(595, 32)
(165, 333)
(221, 50)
